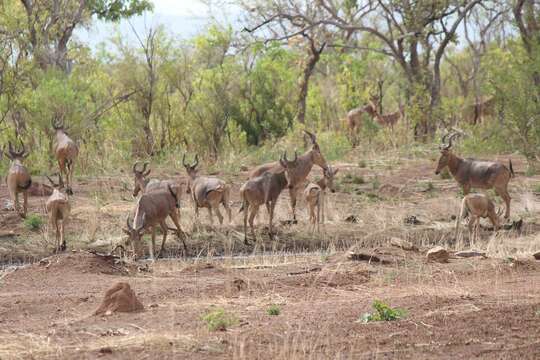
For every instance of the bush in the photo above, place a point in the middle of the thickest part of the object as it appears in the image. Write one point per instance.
(33, 222)
(383, 312)
(219, 320)
(273, 310)
(353, 179)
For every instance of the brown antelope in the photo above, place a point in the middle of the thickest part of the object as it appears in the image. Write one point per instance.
(207, 192)
(152, 209)
(478, 206)
(296, 177)
(66, 151)
(142, 184)
(476, 173)
(263, 189)
(315, 194)
(354, 120)
(58, 208)
(475, 113)
(18, 179)
(389, 120)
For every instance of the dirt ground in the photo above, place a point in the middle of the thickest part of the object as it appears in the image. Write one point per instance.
(466, 308)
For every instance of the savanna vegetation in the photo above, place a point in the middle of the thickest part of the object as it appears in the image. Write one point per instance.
(234, 90)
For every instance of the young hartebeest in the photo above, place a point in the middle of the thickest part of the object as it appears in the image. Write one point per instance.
(152, 209)
(354, 120)
(142, 184)
(66, 151)
(263, 189)
(297, 177)
(315, 195)
(478, 206)
(58, 208)
(207, 192)
(476, 173)
(389, 120)
(18, 179)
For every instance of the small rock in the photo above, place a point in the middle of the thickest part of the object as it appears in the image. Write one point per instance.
(537, 255)
(105, 351)
(402, 244)
(438, 254)
(470, 253)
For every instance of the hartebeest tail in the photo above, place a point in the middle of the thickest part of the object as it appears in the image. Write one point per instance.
(18, 179)
(470, 173)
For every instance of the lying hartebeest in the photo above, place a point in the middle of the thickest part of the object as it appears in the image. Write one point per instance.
(315, 194)
(58, 208)
(142, 184)
(478, 206)
(263, 189)
(354, 120)
(66, 152)
(207, 192)
(18, 179)
(297, 177)
(475, 173)
(152, 209)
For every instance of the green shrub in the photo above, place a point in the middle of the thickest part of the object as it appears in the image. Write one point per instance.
(362, 164)
(376, 183)
(273, 310)
(33, 222)
(219, 320)
(353, 179)
(383, 312)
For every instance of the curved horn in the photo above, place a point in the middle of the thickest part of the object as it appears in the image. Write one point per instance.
(311, 136)
(295, 155)
(285, 157)
(22, 152)
(10, 149)
(135, 170)
(50, 180)
(196, 161)
(128, 224)
(142, 222)
(184, 160)
(450, 139)
(144, 166)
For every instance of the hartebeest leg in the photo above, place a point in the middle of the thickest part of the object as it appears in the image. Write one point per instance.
(211, 215)
(153, 245)
(57, 236)
(218, 214)
(272, 207)
(246, 211)
(69, 176)
(62, 239)
(292, 194)
(503, 193)
(254, 209)
(25, 203)
(15, 199)
(163, 225)
(174, 217)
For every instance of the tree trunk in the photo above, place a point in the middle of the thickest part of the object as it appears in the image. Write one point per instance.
(314, 56)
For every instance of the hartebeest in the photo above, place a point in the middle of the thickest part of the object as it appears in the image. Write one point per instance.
(354, 120)
(263, 189)
(389, 120)
(58, 208)
(315, 195)
(478, 206)
(152, 209)
(207, 192)
(142, 184)
(475, 173)
(297, 177)
(18, 179)
(66, 151)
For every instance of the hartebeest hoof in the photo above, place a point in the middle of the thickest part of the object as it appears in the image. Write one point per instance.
(69, 191)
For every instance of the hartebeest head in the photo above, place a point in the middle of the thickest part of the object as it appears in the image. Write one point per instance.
(290, 168)
(446, 152)
(329, 175)
(140, 179)
(56, 185)
(135, 233)
(315, 152)
(58, 125)
(14, 155)
(191, 169)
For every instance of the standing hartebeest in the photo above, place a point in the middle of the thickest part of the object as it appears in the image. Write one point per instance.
(18, 178)
(152, 209)
(354, 120)
(390, 119)
(208, 192)
(304, 164)
(58, 208)
(475, 113)
(263, 189)
(315, 194)
(141, 182)
(66, 152)
(478, 206)
(476, 173)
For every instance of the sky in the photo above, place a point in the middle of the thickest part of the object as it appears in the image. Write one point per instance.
(182, 18)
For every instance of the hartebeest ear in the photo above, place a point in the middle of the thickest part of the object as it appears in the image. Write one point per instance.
(335, 171)
(126, 231)
(147, 172)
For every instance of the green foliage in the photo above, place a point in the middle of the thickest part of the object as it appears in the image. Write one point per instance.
(353, 179)
(219, 320)
(114, 10)
(273, 310)
(383, 312)
(33, 222)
